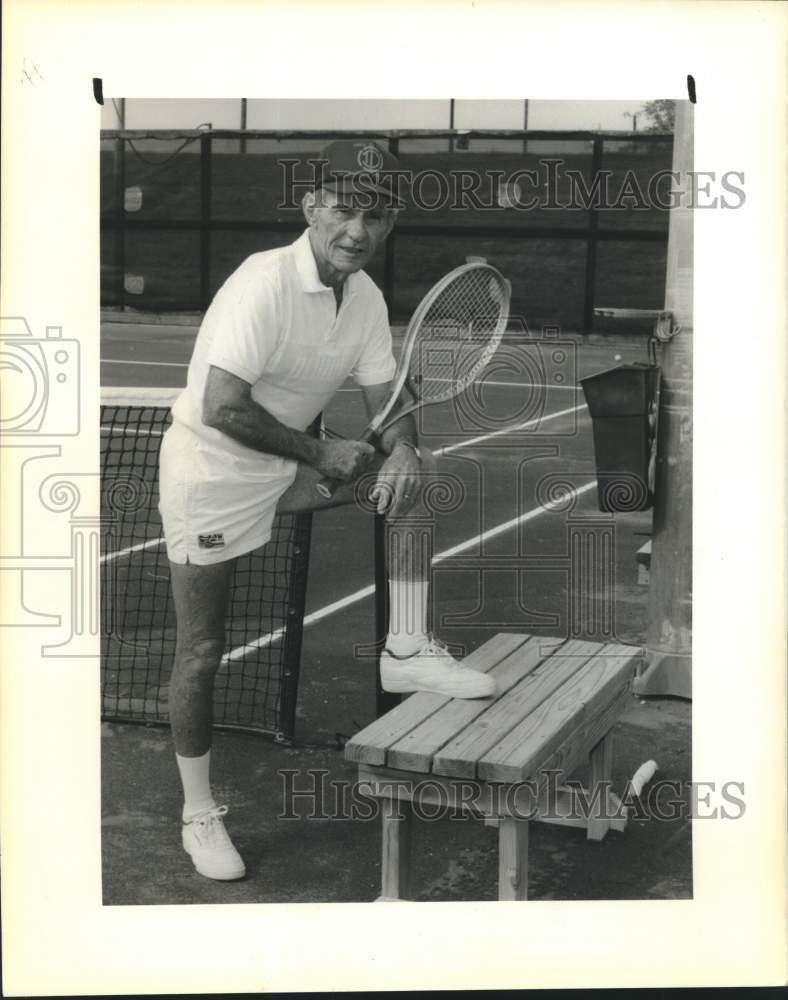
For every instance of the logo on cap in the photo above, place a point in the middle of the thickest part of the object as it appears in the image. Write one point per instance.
(370, 158)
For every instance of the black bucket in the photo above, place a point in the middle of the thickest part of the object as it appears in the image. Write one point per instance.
(623, 403)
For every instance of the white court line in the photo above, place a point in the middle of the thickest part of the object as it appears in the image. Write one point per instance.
(516, 385)
(535, 421)
(359, 595)
(150, 544)
(129, 431)
(533, 385)
(149, 364)
(503, 385)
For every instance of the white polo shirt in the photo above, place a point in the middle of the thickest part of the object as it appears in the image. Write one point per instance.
(275, 325)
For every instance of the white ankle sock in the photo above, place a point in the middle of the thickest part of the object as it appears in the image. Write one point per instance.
(195, 778)
(407, 616)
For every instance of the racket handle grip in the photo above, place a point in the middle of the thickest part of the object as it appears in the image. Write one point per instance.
(327, 487)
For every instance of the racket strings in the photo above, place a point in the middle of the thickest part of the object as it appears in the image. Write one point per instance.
(458, 334)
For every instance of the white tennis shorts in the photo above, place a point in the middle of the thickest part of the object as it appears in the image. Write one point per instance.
(214, 507)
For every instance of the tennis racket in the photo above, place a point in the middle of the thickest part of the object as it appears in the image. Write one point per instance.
(452, 335)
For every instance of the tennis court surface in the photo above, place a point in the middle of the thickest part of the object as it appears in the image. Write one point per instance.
(517, 452)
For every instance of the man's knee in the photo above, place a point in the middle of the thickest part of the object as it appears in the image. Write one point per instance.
(200, 655)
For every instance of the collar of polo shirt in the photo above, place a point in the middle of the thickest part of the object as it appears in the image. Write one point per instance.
(307, 269)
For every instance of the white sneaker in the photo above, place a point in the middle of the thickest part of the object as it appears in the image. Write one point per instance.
(433, 669)
(210, 847)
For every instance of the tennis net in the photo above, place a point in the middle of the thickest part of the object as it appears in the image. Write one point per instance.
(257, 683)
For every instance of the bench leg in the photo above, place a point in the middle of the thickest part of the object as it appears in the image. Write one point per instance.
(513, 858)
(395, 864)
(601, 770)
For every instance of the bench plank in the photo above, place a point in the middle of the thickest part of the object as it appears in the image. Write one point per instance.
(460, 756)
(574, 748)
(478, 797)
(520, 751)
(371, 744)
(414, 752)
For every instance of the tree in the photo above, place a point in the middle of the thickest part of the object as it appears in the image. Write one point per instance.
(661, 115)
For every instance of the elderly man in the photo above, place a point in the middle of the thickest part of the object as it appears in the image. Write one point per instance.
(282, 334)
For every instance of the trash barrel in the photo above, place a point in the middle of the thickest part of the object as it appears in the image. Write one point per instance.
(623, 403)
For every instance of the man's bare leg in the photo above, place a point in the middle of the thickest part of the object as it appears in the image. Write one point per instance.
(411, 661)
(408, 538)
(408, 545)
(200, 594)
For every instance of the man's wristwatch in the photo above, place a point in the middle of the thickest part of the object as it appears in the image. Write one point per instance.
(410, 444)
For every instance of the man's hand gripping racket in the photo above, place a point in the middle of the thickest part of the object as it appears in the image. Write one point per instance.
(452, 335)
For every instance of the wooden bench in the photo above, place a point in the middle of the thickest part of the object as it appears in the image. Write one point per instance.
(506, 758)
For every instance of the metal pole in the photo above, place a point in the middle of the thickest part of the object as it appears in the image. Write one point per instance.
(388, 252)
(451, 123)
(384, 701)
(668, 668)
(294, 627)
(243, 124)
(525, 125)
(591, 243)
(119, 255)
(205, 221)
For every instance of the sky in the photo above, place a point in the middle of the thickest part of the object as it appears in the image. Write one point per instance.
(362, 114)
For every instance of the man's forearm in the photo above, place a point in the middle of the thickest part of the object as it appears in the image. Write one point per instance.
(252, 425)
(403, 431)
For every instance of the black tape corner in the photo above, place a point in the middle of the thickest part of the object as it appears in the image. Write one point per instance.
(98, 86)
(691, 88)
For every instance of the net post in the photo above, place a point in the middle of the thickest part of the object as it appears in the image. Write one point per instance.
(296, 602)
(668, 661)
(591, 241)
(296, 605)
(242, 145)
